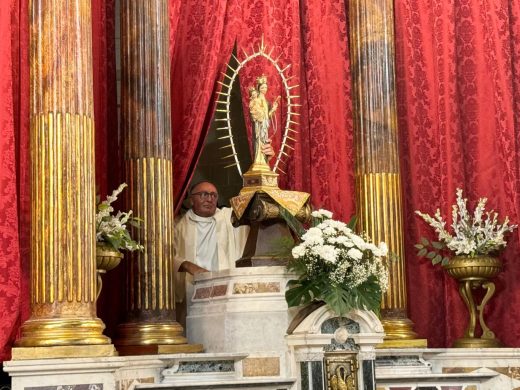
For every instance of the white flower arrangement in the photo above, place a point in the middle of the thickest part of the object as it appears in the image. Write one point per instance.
(337, 266)
(472, 235)
(112, 229)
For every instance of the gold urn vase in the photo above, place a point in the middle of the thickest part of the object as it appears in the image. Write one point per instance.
(107, 258)
(474, 273)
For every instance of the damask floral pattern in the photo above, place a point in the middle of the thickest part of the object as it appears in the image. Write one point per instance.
(317, 53)
(329, 130)
(457, 98)
(458, 83)
(202, 47)
(108, 165)
(9, 239)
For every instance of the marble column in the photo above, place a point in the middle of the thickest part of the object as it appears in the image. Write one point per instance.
(63, 318)
(146, 141)
(378, 178)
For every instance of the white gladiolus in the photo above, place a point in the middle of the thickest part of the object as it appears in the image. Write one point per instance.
(472, 235)
(111, 229)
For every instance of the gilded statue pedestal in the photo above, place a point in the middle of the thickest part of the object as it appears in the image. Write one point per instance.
(267, 235)
(261, 205)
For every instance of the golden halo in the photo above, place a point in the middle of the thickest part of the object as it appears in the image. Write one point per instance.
(224, 103)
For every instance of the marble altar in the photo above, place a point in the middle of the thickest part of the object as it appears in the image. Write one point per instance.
(242, 319)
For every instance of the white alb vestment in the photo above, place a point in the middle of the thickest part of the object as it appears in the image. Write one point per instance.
(212, 243)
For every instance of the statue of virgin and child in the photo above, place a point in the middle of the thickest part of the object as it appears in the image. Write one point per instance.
(261, 112)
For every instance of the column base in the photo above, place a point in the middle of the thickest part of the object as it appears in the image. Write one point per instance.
(67, 351)
(400, 334)
(150, 334)
(56, 332)
(136, 338)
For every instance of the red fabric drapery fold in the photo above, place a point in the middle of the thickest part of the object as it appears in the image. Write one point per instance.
(10, 281)
(202, 46)
(108, 165)
(322, 160)
(458, 103)
(327, 151)
(14, 149)
(458, 116)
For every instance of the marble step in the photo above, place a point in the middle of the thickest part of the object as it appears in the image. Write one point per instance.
(218, 371)
(224, 384)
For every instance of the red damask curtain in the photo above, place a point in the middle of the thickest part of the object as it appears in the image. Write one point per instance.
(108, 165)
(13, 126)
(14, 148)
(202, 46)
(458, 85)
(458, 89)
(327, 152)
(310, 36)
(307, 34)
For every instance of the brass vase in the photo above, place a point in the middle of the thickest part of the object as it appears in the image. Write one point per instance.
(473, 273)
(107, 258)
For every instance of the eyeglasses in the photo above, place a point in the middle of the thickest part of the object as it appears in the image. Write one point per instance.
(206, 195)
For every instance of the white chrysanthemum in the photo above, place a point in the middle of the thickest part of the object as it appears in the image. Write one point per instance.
(322, 213)
(329, 231)
(341, 240)
(355, 253)
(298, 251)
(312, 232)
(313, 236)
(326, 252)
(358, 242)
(331, 251)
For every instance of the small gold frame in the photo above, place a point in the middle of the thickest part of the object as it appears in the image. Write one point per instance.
(341, 370)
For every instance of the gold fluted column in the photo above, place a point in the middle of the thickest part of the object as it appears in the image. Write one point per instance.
(63, 318)
(378, 179)
(146, 138)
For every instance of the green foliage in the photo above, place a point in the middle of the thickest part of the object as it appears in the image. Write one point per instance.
(281, 247)
(353, 222)
(432, 250)
(340, 299)
(293, 223)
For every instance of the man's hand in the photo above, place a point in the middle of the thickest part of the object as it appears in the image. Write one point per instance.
(191, 268)
(267, 149)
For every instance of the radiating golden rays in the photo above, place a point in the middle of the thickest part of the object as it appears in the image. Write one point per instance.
(223, 112)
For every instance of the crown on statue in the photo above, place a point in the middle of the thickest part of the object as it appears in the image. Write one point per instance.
(261, 80)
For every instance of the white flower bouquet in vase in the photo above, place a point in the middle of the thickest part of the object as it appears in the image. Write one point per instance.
(112, 235)
(469, 255)
(337, 266)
